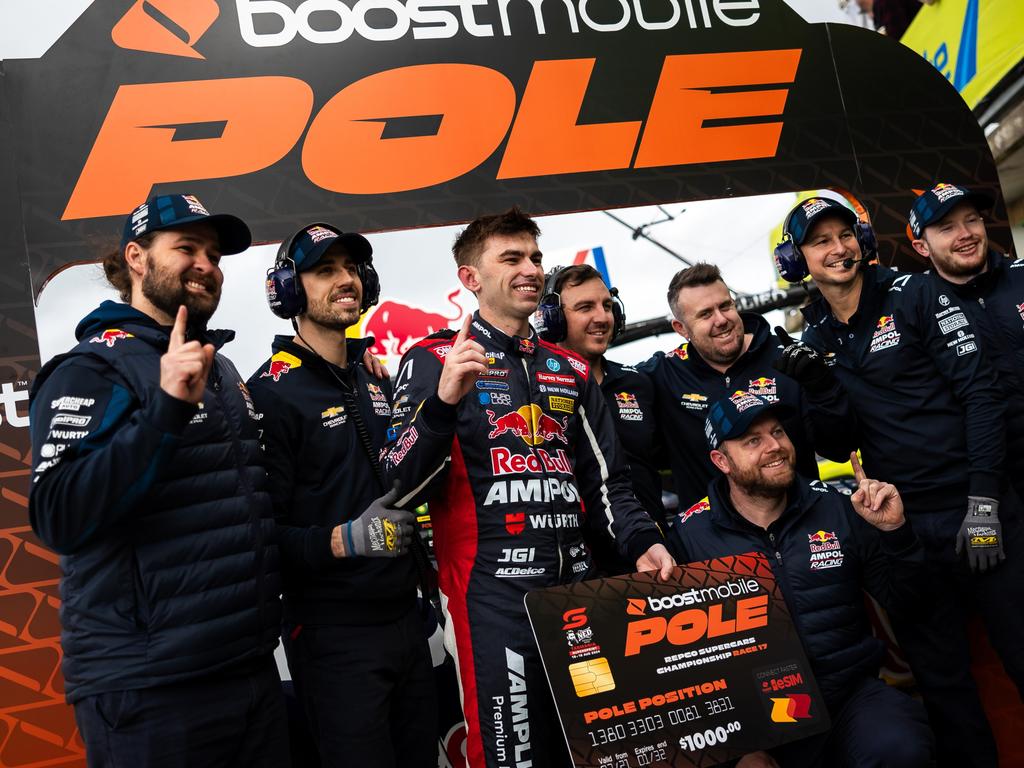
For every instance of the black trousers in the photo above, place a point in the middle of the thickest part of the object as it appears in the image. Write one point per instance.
(876, 727)
(937, 645)
(231, 720)
(368, 692)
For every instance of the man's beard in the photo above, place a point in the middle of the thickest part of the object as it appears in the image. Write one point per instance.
(324, 313)
(754, 483)
(167, 292)
(714, 354)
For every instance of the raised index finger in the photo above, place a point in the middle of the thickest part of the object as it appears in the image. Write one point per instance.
(464, 330)
(178, 331)
(858, 470)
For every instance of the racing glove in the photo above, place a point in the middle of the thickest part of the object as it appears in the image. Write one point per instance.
(981, 534)
(381, 531)
(802, 363)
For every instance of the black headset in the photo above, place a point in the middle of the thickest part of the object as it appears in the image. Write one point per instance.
(285, 295)
(790, 261)
(550, 316)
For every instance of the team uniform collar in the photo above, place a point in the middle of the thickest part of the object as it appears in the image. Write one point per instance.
(524, 346)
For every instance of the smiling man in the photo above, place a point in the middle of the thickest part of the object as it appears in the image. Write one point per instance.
(824, 549)
(585, 319)
(351, 629)
(727, 351)
(147, 479)
(930, 421)
(506, 435)
(949, 231)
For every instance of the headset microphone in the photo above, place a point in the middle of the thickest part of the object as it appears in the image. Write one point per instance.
(847, 263)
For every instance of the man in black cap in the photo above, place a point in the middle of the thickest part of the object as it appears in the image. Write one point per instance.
(930, 421)
(147, 479)
(355, 641)
(949, 231)
(824, 548)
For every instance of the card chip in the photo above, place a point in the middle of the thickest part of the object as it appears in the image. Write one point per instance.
(591, 676)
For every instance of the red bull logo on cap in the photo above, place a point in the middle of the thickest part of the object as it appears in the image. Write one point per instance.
(111, 336)
(280, 364)
(530, 423)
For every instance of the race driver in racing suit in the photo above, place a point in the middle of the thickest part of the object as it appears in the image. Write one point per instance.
(506, 436)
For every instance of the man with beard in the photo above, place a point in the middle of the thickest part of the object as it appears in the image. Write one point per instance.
(147, 480)
(579, 312)
(506, 434)
(352, 632)
(950, 233)
(726, 352)
(824, 548)
(929, 420)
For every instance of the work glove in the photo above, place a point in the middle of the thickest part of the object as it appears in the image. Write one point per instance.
(802, 363)
(381, 531)
(981, 534)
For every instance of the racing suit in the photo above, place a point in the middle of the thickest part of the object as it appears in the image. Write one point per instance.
(505, 471)
(685, 385)
(823, 554)
(930, 417)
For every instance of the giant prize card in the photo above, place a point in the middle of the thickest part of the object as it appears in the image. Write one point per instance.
(695, 671)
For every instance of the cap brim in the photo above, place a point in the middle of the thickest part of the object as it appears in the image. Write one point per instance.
(833, 210)
(357, 246)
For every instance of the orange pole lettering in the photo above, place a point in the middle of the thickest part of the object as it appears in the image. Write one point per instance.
(546, 139)
(643, 632)
(675, 133)
(135, 148)
(344, 149)
(751, 612)
(687, 627)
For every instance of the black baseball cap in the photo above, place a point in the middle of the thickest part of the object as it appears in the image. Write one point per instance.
(309, 244)
(803, 216)
(169, 211)
(931, 206)
(731, 416)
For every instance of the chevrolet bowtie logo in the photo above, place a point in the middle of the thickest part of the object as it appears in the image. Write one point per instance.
(171, 27)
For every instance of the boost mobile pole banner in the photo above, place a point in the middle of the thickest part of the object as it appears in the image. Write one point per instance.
(691, 672)
(388, 114)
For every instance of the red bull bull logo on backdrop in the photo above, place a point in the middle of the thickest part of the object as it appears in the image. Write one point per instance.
(764, 387)
(530, 423)
(111, 336)
(396, 325)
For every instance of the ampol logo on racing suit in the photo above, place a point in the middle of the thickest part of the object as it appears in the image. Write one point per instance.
(530, 423)
(111, 336)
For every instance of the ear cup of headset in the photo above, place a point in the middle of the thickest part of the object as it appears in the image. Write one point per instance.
(371, 285)
(868, 242)
(789, 261)
(284, 288)
(618, 314)
(549, 319)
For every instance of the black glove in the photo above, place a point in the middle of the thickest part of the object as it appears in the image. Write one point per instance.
(981, 534)
(802, 363)
(381, 531)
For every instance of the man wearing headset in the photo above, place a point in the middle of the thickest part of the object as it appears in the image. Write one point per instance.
(930, 421)
(727, 351)
(353, 636)
(506, 435)
(147, 480)
(579, 312)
